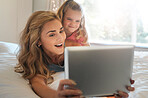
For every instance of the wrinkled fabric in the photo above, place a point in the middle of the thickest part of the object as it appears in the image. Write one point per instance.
(12, 85)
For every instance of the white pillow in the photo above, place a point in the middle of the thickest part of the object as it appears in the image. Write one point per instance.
(6, 47)
(12, 85)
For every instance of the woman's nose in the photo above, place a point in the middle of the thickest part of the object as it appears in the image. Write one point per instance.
(60, 37)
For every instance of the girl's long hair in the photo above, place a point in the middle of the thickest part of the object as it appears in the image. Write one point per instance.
(32, 60)
(74, 6)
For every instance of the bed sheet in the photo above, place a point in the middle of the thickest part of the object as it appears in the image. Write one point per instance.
(140, 75)
(12, 85)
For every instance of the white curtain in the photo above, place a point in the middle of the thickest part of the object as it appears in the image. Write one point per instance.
(53, 5)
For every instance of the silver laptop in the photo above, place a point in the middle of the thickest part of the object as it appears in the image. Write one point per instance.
(101, 70)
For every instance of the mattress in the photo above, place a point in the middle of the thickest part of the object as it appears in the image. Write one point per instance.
(12, 85)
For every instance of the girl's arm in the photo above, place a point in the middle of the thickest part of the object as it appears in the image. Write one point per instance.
(86, 44)
(44, 91)
(71, 43)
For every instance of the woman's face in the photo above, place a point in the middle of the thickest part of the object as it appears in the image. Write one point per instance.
(53, 38)
(71, 20)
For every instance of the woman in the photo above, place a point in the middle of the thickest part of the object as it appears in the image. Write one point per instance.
(41, 54)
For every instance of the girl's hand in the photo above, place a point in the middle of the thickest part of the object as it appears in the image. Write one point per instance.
(122, 94)
(62, 92)
(85, 44)
(71, 43)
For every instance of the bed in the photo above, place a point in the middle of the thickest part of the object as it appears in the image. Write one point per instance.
(12, 85)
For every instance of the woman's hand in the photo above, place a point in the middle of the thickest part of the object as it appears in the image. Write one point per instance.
(62, 92)
(122, 94)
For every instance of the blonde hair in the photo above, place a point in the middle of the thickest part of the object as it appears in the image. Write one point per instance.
(32, 60)
(74, 6)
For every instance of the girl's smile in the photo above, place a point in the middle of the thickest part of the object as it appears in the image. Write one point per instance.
(72, 20)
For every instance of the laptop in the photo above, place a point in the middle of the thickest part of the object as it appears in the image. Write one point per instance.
(99, 70)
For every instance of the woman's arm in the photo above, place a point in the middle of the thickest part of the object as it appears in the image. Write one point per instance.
(41, 89)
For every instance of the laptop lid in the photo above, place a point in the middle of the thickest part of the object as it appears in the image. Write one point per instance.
(101, 70)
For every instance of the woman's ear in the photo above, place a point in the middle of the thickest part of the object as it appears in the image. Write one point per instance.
(39, 44)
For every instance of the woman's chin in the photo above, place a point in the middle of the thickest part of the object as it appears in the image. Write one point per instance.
(60, 52)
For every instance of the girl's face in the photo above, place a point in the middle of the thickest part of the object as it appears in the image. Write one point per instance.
(71, 20)
(53, 38)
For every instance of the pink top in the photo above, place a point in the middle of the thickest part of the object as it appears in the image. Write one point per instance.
(73, 38)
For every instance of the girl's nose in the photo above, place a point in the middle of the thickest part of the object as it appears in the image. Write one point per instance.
(72, 23)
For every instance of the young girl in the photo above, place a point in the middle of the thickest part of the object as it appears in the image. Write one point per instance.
(72, 20)
(41, 53)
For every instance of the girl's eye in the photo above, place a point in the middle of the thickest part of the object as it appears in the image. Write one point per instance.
(51, 35)
(78, 21)
(69, 19)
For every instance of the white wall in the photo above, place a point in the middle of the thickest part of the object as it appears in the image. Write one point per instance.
(39, 5)
(13, 17)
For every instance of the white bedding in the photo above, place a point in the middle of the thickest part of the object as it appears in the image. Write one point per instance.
(12, 85)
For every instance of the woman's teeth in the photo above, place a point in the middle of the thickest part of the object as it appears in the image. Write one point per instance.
(58, 45)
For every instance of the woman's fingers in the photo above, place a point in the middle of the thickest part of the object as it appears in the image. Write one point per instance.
(116, 96)
(132, 81)
(66, 82)
(67, 89)
(70, 92)
(129, 88)
(123, 94)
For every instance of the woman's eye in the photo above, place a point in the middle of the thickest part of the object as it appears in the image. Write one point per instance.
(51, 35)
(61, 31)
